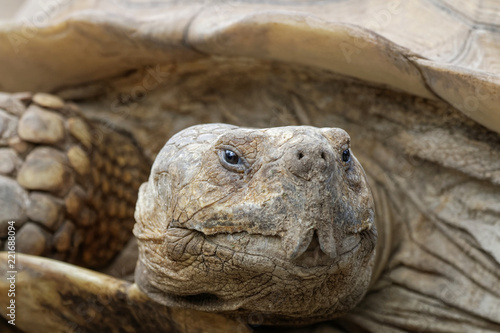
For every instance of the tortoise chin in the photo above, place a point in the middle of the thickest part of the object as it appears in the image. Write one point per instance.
(275, 222)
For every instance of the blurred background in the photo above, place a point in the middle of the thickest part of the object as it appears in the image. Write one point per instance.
(11, 10)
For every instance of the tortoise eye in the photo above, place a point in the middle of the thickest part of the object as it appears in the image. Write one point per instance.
(231, 157)
(346, 155)
(232, 160)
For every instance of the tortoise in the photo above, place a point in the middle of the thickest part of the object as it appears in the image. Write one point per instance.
(417, 235)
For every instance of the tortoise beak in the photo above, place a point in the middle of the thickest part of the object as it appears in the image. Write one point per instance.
(296, 242)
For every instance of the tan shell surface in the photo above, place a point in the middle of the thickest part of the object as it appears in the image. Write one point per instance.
(436, 49)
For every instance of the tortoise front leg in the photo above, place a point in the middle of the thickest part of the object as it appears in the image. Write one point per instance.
(69, 185)
(52, 296)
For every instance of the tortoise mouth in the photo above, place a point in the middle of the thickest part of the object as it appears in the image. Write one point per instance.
(244, 249)
(245, 243)
(272, 247)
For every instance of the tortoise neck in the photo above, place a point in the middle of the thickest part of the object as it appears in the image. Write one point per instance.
(383, 223)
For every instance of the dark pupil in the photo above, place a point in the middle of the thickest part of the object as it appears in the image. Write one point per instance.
(346, 155)
(231, 157)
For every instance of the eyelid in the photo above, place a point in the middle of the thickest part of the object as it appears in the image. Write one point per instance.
(228, 147)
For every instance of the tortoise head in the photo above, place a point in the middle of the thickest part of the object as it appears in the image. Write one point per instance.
(277, 222)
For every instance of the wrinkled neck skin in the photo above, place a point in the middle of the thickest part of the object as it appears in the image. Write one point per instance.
(383, 224)
(278, 222)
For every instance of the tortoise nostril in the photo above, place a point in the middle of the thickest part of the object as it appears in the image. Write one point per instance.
(309, 160)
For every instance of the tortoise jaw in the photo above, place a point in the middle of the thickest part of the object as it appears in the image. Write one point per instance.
(187, 273)
(203, 301)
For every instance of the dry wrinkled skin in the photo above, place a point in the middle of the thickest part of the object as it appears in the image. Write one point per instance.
(237, 220)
